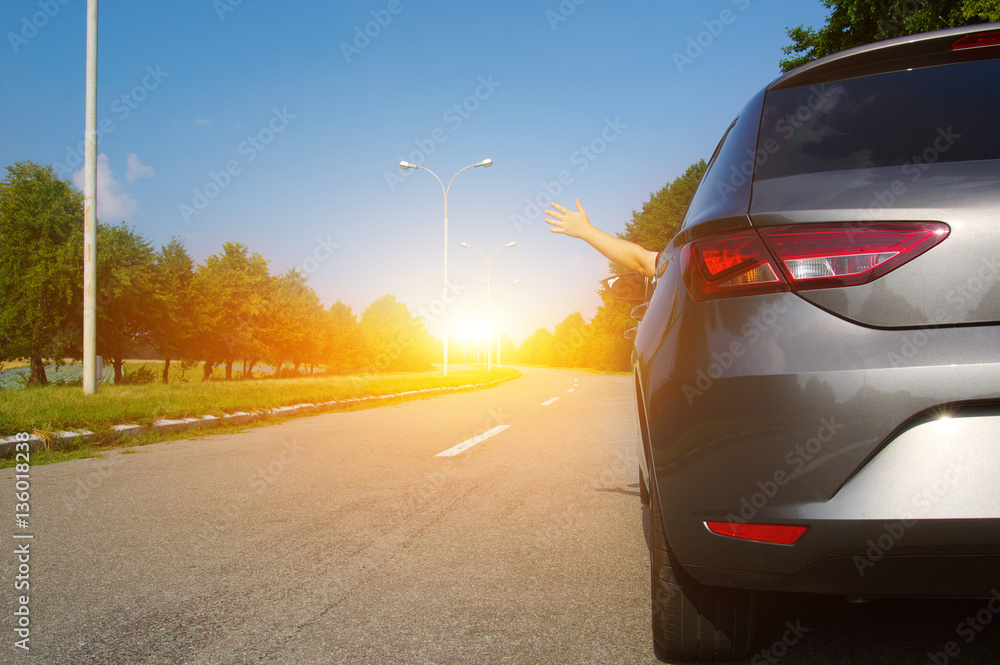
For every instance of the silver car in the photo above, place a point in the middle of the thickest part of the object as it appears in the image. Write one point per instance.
(818, 369)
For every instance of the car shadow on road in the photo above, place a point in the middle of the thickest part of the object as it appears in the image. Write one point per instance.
(619, 490)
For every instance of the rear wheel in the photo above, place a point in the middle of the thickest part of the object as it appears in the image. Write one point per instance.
(691, 620)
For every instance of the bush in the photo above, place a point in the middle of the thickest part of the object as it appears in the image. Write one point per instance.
(137, 377)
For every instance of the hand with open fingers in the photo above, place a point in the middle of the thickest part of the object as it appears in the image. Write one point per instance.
(575, 224)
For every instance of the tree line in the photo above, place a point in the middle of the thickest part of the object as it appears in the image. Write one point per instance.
(226, 310)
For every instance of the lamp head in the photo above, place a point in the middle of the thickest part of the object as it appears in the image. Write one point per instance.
(407, 165)
(486, 162)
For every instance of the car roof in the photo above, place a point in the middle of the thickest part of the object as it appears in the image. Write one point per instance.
(920, 50)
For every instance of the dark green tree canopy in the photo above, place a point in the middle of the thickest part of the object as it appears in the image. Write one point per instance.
(657, 223)
(41, 266)
(857, 22)
(127, 296)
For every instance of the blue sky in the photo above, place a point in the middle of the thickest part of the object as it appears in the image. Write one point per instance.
(281, 125)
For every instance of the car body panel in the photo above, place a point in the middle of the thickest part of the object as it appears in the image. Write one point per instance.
(832, 407)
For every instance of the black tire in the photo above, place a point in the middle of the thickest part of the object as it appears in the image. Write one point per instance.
(693, 621)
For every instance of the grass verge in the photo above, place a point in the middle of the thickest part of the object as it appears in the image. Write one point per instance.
(55, 408)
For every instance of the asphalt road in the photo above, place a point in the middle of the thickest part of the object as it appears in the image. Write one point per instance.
(345, 538)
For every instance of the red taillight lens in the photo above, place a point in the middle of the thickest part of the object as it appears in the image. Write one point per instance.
(820, 256)
(802, 256)
(776, 534)
(977, 41)
(729, 264)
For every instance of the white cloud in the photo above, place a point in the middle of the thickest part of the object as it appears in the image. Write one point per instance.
(137, 170)
(113, 205)
(203, 122)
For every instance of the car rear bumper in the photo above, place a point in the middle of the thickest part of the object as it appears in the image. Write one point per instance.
(934, 576)
(768, 409)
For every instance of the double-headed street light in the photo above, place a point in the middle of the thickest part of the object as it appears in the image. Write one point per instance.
(407, 165)
(489, 259)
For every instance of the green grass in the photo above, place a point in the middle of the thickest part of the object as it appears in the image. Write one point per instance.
(56, 408)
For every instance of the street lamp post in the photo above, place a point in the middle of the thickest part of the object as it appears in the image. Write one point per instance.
(90, 209)
(407, 165)
(489, 259)
(499, 322)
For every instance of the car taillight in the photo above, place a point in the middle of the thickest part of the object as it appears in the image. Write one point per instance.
(818, 256)
(802, 256)
(776, 534)
(729, 264)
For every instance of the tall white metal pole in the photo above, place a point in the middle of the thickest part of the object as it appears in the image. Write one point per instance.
(90, 211)
(489, 320)
(444, 291)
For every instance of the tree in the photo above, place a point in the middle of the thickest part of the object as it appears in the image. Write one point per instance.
(342, 339)
(857, 22)
(127, 296)
(606, 347)
(173, 317)
(508, 350)
(232, 291)
(538, 349)
(295, 321)
(393, 339)
(570, 338)
(656, 224)
(41, 266)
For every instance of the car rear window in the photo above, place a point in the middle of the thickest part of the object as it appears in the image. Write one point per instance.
(917, 116)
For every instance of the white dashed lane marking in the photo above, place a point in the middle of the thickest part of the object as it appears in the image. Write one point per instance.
(468, 443)
(549, 401)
